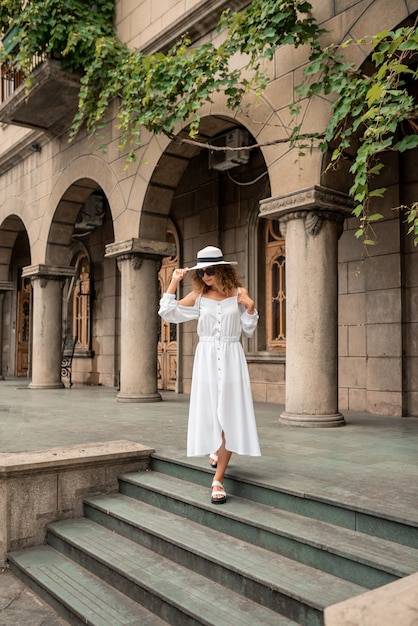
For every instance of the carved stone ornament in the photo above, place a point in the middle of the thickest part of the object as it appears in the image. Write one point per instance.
(134, 259)
(283, 228)
(313, 223)
(136, 262)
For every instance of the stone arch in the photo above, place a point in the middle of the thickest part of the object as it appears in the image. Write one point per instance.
(79, 180)
(62, 226)
(15, 206)
(11, 229)
(171, 159)
(381, 15)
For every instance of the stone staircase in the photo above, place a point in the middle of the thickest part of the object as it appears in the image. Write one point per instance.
(159, 552)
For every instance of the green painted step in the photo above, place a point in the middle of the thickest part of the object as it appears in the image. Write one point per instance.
(177, 594)
(359, 558)
(272, 579)
(340, 512)
(79, 596)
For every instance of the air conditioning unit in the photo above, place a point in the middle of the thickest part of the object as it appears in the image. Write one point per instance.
(227, 159)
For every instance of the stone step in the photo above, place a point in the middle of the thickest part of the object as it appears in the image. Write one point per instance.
(357, 557)
(276, 581)
(76, 594)
(173, 592)
(341, 512)
(160, 552)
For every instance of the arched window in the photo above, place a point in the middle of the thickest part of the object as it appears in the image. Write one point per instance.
(275, 287)
(81, 303)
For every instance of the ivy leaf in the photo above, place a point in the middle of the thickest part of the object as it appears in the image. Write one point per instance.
(377, 193)
(313, 68)
(374, 94)
(375, 170)
(407, 143)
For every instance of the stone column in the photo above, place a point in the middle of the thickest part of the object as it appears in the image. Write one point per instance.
(139, 261)
(311, 220)
(47, 283)
(4, 286)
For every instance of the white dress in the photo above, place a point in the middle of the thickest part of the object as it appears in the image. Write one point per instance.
(220, 398)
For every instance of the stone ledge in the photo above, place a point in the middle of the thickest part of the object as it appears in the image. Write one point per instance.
(395, 603)
(72, 457)
(138, 245)
(197, 22)
(315, 198)
(43, 486)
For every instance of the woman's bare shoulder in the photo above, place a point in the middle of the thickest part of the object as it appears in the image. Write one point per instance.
(189, 299)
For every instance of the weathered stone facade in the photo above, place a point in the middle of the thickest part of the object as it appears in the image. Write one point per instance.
(352, 338)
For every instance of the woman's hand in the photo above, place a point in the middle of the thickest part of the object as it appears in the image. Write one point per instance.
(177, 277)
(244, 298)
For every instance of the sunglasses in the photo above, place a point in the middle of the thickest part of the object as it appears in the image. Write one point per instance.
(209, 271)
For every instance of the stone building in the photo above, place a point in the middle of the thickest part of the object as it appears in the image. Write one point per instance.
(87, 245)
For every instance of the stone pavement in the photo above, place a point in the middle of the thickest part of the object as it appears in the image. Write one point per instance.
(19, 606)
(372, 462)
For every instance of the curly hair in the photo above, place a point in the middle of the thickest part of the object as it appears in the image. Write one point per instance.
(226, 280)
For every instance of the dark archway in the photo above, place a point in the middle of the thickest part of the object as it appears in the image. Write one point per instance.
(15, 314)
(169, 171)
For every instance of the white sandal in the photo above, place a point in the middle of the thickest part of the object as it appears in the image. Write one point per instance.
(213, 457)
(221, 494)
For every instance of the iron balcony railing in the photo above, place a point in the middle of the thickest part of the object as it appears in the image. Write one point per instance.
(11, 78)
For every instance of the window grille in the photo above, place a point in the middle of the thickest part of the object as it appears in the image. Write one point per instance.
(275, 287)
(81, 304)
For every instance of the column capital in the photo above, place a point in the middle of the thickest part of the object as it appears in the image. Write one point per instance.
(315, 198)
(145, 248)
(6, 285)
(55, 272)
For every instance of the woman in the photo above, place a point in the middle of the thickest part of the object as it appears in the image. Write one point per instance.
(221, 413)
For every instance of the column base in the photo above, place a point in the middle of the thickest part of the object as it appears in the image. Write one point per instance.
(312, 421)
(59, 385)
(126, 397)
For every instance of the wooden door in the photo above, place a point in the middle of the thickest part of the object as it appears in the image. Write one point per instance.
(167, 336)
(23, 329)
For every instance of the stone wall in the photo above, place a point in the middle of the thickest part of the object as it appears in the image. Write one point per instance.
(377, 316)
(40, 487)
(140, 22)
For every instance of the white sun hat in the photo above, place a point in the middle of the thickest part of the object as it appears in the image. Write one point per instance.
(210, 256)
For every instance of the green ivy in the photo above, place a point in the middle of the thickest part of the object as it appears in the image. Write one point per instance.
(158, 91)
(9, 10)
(155, 91)
(66, 29)
(375, 108)
(412, 220)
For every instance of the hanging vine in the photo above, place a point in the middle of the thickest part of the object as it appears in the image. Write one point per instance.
(378, 110)
(154, 91)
